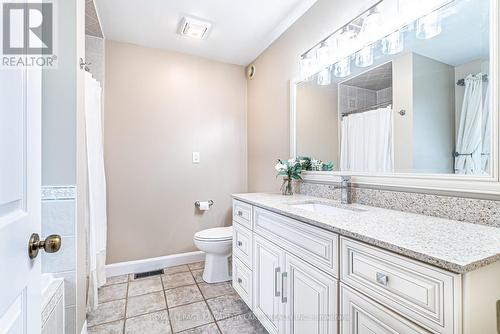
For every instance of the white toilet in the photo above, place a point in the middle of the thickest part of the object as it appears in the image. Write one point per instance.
(217, 244)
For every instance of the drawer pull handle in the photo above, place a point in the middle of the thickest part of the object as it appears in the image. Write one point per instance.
(382, 279)
(240, 213)
(276, 274)
(283, 278)
(239, 280)
(240, 243)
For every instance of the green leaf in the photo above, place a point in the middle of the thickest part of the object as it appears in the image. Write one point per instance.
(328, 166)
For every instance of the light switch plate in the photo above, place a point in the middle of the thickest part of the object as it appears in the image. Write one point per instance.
(196, 157)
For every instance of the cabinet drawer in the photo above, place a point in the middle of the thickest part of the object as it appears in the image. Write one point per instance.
(242, 281)
(242, 244)
(314, 245)
(424, 294)
(242, 213)
(360, 315)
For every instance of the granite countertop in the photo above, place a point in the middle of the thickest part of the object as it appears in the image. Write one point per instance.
(449, 244)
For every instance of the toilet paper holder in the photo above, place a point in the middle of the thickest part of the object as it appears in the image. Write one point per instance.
(210, 203)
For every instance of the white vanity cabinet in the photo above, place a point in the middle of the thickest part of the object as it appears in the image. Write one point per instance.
(243, 251)
(293, 270)
(268, 283)
(290, 295)
(311, 298)
(418, 291)
(360, 315)
(299, 278)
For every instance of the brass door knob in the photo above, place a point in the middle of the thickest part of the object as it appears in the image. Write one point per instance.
(51, 244)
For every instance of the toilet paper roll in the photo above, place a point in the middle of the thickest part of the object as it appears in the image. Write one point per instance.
(204, 206)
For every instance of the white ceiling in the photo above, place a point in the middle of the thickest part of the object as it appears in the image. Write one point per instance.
(241, 30)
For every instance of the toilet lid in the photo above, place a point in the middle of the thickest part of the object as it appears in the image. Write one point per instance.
(215, 234)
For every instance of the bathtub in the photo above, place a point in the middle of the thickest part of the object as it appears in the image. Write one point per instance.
(52, 304)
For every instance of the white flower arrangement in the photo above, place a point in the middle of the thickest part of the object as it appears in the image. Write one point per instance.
(290, 170)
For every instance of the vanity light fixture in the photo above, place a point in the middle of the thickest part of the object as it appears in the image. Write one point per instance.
(429, 26)
(307, 64)
(394, 43)
(346, 40)
(371, 25)
(357, 39)
(364, 57)
(342, 68)
(324, 54)
(325, 77)
(194, 28)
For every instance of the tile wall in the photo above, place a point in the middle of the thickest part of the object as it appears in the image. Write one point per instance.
(59, 217)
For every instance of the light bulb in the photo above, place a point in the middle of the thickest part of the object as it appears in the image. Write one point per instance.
(371, 25)
(364, 57)
(342, 68)
(306, 66)
(324, 54)
(325, 77)
(393, 43)
(429, 26)
(345, 40)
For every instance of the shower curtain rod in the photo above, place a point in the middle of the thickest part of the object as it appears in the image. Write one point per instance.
(461, 82)
(369, 108)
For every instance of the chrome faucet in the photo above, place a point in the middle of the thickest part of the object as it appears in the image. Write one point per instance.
(346, 190)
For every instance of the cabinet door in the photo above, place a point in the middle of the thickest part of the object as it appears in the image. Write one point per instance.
(311, 299)
(363, 316)
(267, 269)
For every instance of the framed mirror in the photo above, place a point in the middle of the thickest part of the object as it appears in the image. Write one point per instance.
(417, 106)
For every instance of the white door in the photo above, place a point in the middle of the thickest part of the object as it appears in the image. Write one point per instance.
(268, 273)
(20, 181)
(311, 295)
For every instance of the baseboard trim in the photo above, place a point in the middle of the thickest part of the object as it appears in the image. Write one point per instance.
(130, 267)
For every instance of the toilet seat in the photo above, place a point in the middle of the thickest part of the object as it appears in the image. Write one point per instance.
(215, 234)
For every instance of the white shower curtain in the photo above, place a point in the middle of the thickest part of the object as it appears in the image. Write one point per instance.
(469, 140)
(366, 141)
(97, 221)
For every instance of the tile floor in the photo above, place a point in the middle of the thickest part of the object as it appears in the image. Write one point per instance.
(177, 302)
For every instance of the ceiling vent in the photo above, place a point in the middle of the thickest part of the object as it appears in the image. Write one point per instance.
(194, 28)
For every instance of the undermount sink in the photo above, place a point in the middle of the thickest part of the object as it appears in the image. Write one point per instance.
(323, 208)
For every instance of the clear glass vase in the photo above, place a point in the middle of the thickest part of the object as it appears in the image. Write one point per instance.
(286, 187)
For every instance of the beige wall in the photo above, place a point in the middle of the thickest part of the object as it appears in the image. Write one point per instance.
(317, 132)
(268, 92)
(160, 107)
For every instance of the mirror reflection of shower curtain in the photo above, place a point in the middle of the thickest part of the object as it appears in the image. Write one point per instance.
(97, 220)
(486, 134)
(366, 141)
(469, 140)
